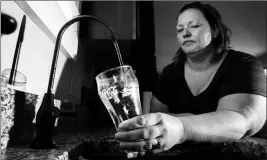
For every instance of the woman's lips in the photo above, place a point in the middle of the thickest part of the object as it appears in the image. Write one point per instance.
(188, 42)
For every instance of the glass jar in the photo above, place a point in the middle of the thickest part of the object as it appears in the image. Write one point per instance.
(19, 83)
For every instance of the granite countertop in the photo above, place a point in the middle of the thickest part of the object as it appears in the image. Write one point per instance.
(70, 146)
(101, 144)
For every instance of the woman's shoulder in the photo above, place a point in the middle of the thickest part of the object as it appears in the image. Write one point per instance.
(176, 65)
(235, 56)
(169, 68)
(240, 60)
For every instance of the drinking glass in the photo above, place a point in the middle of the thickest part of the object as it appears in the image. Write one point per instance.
(118, 88)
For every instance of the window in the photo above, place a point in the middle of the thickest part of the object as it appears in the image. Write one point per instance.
(61, 11)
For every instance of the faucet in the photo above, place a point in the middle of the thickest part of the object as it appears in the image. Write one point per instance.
(47, 113)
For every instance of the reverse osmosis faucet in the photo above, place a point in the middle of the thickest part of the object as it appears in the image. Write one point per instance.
(47, 114)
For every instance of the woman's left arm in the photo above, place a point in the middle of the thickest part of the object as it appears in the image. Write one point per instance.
(237, 115)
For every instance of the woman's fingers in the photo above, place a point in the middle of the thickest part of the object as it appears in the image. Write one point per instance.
(140, 146)
(140, 121)
(150, 132)
(135, 154)
(158, 145)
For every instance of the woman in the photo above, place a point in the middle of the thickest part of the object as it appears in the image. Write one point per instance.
(210, 93)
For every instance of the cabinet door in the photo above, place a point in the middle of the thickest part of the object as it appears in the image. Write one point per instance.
(120, 15)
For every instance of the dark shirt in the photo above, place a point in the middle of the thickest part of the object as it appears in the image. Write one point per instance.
(239, 73)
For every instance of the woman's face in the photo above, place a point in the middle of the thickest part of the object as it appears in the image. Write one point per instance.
(193, 31)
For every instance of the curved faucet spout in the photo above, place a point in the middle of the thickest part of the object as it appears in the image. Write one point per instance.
(47, 113)
(58, 40)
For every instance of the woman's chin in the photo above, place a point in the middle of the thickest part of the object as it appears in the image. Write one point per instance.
(190, 51)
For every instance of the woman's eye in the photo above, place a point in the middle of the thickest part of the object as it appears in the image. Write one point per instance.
(195, 26)
(179, 30)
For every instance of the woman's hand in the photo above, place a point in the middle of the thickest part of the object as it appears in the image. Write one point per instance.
(155, 132)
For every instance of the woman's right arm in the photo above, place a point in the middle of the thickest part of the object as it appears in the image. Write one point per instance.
(157, 106)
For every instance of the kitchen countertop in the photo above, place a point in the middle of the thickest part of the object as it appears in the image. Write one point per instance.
(101, 143)
(70, 146)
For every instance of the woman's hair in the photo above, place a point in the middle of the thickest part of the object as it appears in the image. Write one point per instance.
(222, 40)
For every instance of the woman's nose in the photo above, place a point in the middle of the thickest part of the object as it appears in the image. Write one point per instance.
(186, 33)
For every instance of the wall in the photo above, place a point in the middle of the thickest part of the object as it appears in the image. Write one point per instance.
(247, 21)
(36, 56)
